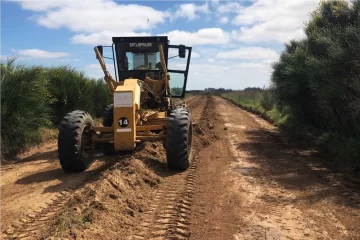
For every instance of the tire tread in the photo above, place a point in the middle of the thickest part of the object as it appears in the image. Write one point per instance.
(68, 141)
(178, 135)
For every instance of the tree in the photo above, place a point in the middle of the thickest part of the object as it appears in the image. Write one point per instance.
(319, 76)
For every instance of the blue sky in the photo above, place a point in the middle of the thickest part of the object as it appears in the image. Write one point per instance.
(234, 42)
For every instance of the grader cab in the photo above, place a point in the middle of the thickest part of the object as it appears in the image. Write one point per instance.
(142, 107)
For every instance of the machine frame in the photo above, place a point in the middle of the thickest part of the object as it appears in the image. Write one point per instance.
(155, 127)
(142, 109)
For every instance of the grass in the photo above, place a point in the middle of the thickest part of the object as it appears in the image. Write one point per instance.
(48, 134)
(259, 102)
(73, 217)
(34, 99)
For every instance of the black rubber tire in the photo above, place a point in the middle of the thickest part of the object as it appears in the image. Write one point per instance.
(108, 116)
(72, 155)
(179, 139)
(108, 149)
(108, 120)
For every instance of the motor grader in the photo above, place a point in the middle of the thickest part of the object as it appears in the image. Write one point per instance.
(143, 108)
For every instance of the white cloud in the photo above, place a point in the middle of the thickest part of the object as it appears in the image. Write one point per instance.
(272, 20)
(215, 36)
(2, 57)
(261, 33)
(94, 16)
(69, 60)
(194, 54)
(206, 69)
(191, 10)
(224, 20)
(226, 75)
(249, 53)
(218, 60)
(208, 51)
(253, 64)
(102, 38)
(93, 66)
(250, 65)
(95, 70)
(36, 5)
(40, 54)
(230, 7)
(103, 15)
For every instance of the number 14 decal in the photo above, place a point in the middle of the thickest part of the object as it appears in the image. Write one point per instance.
(123, 122)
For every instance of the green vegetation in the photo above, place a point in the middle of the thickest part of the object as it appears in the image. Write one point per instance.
(35, 98)
(316, 83)
(259, 101)
(176, 91)
(71, 90)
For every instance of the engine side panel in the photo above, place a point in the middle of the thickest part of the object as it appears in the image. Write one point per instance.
(126, 103)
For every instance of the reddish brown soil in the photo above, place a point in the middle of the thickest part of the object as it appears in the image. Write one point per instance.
(244, 182)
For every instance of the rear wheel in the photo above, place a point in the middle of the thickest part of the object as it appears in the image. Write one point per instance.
(74, 141)
(108, 116)
(179, 139)
(108, 119)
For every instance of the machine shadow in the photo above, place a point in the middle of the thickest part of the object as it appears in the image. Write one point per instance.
(67, 180)
(38, 158)
(49, 156)
(279, 163)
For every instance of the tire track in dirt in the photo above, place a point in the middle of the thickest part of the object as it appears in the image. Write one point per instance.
(29, 224)
(169, 214)
(168, 217)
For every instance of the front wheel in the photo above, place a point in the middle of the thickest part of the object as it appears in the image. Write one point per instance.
(75, 141)
(179, 139)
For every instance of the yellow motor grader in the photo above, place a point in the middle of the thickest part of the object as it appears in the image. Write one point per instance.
(142, 108)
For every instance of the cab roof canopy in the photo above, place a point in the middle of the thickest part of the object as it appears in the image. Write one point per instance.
(140, 44)
(142, 39)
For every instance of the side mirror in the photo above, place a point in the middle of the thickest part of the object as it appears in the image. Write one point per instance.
(182, 51)
(100, 49)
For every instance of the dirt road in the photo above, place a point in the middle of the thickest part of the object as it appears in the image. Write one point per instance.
(245, 182)
(264, 188)
(37, 185)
